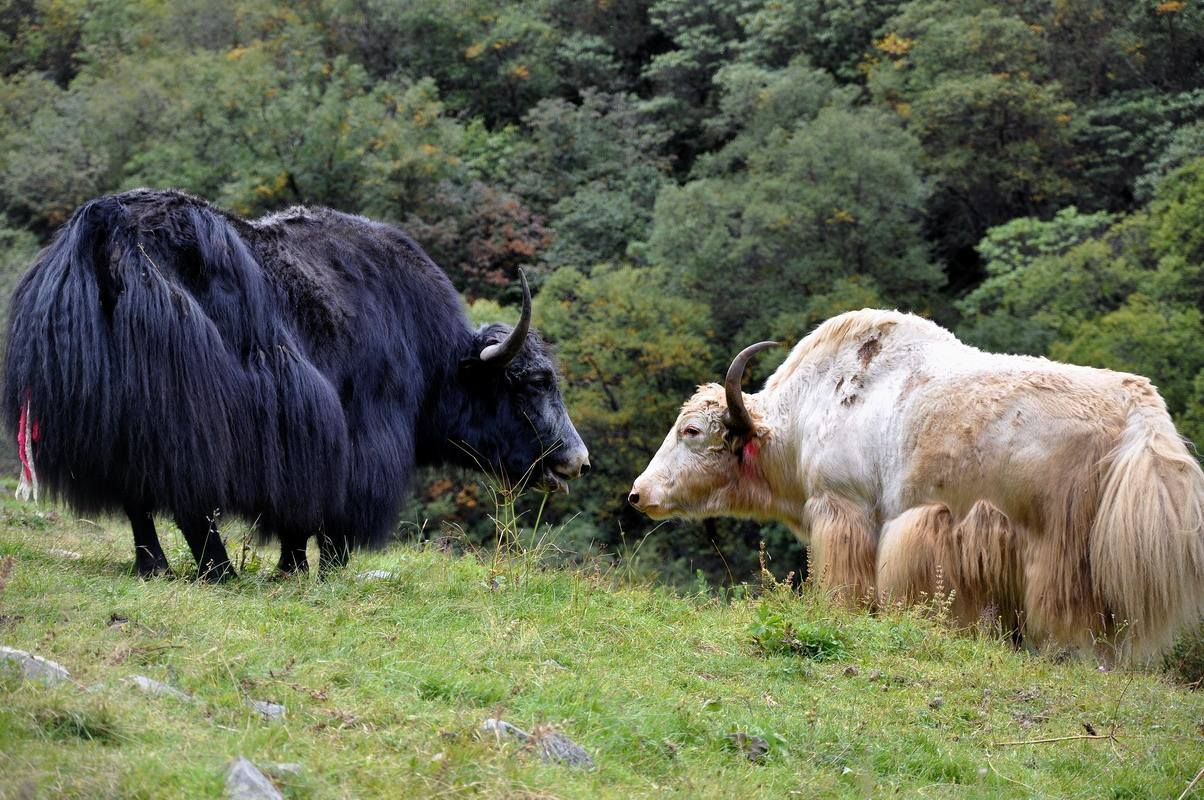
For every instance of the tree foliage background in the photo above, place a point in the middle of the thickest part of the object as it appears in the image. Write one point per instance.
(681, 177)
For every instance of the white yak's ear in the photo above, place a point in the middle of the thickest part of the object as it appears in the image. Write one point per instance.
(738, 442)
(738, 424)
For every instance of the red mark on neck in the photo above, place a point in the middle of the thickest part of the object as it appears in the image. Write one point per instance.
(749, 455)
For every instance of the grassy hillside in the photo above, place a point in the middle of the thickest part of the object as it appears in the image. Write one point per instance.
(387, 680)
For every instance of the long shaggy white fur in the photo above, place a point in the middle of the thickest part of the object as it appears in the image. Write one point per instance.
(1057, 498)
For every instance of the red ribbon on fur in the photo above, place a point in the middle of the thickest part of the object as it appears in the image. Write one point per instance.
(748, 456)
(24, 429)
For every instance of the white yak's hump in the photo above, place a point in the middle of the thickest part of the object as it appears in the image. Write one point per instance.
(854, 329)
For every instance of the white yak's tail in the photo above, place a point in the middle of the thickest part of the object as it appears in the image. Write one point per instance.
(1147, 541)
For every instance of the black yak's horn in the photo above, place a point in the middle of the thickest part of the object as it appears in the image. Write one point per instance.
(738, 419)
(504, 352)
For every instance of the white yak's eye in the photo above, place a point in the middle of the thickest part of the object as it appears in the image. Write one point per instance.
(691, 432)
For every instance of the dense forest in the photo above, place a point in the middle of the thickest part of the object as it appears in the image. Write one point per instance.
(679, 177)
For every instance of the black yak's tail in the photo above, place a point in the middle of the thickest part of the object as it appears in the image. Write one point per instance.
(153, 363)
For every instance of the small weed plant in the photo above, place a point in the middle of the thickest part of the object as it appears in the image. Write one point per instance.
(773, 634)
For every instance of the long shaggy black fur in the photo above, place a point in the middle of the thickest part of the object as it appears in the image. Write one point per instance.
(292, 370)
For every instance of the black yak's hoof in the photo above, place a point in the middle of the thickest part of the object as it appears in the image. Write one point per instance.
(147, 572)
(218, 572)
(292, 562)
(149, 561)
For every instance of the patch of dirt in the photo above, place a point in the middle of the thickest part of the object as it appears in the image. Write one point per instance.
(868, 350)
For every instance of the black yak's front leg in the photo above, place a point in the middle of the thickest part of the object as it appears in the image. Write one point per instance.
(293, 560)
(149, 559)
(213, 565)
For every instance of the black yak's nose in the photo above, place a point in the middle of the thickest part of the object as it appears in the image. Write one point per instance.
(574, 465)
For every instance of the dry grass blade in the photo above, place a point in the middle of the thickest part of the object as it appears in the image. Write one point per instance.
(1193, 783)
(1108, 736)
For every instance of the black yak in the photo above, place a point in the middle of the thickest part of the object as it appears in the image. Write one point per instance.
(166, 356)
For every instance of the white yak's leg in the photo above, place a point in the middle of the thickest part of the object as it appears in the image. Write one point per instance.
(843, 548)
(911, 554)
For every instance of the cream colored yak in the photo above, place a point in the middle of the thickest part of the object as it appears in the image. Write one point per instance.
(1057, 497)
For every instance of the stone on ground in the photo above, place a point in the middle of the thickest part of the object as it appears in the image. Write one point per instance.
(244, 781)
(269, 711)
(156, 688)
(34, 667)
(552, 745)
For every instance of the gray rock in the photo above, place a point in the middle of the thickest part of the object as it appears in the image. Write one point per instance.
(504, 730)
(754, 748)
(375, 575)
(71, 554)
(155, 688)
(289, 768)
(34, 667)
(269, 711)
(552, 745)
(555, 747)
(244, 781)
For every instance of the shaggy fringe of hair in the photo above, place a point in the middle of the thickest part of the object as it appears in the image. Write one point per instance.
(149, 392)
(924, 553)
(1118, 566)
(842, 549)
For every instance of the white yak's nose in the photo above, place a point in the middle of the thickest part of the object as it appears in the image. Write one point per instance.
(644, 496)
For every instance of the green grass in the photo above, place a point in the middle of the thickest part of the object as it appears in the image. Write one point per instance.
(386, 683)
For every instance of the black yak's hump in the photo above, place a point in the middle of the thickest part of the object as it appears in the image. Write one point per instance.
(329, 261)
(326, 244)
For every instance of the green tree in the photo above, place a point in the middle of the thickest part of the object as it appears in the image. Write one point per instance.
(973, 83)
(702, 35)
(52, 155)
(480, 235)
(1162, 340)
(17, 251)
(1034, 290)
(834, 34)
(755, 102)
(489, 60)
(1098, 47)
(1130, 138)
(832, 198)
(595, 166)
(41, 36)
